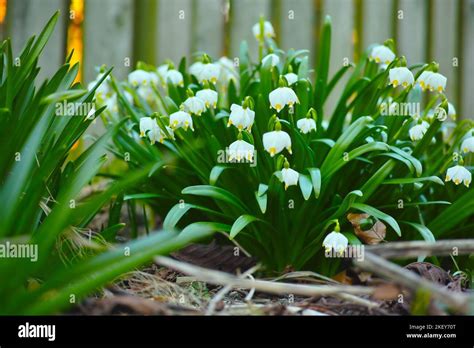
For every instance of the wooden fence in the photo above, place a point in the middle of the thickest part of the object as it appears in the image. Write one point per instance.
(116, 32)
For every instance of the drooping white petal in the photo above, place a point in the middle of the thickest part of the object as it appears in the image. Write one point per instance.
(146, 123)
(274, 142)
(194, 105)
(139, 78)
(240, 150)
(468, 145)
(209, 72)
(272, 58)
(195, 68)
(175, 77)
(181, 119)
(241, 117)
(382, 55)
(282, 96)
(401, 76)
(418, 131)
(208, 96)
(290, 177)
(335, 241)
(459, 174)
(306, 125)
(291, 78)
(268, 30)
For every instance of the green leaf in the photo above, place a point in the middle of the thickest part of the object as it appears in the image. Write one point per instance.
(403, 181)
(216, 193)
(240, 224)
(379, 215)
(262, 201)
(306, 186)
(215, 173)
(424, 231)
(316, 180)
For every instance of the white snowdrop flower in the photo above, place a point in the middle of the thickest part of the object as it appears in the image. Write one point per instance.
(468, 145)
(417, 132)
(195, 68)
(282, 96)
(139, 78)
(146, 93)
(452, 111)
(290, 177)
(240, 150)
(432, 81)
(209, 97)
(274, 142)
(175, 77)
(153, 78)
(458, 174)
(112, 103)
(228, 71)
(401, 77)
(272, 58)
(382, 55)
(194, 105)
(306, 125)
(146, 124)
(335, 241)
(181, 119)
(157, 134)
(103, 90)
(162, 70)
(241, 117)
(209, 72)
(268, 30)
(291, 78)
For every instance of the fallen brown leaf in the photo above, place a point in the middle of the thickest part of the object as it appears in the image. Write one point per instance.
(374, 235)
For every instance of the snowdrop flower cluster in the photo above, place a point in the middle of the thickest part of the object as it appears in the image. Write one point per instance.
(149, 127)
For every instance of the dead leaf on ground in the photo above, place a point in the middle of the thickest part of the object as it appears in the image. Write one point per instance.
(374, 235)
(386, 292)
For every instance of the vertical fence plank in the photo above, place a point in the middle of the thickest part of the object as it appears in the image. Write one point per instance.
(28, 17)
(444, 42)
(342, 14)
(467, 60)
(174, 29)
(297, 25)
(377, 19)
(412, 30)
(244, 14)
(208, 33)
(108, 30)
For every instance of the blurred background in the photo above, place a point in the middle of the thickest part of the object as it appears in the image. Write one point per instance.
(122, 32)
